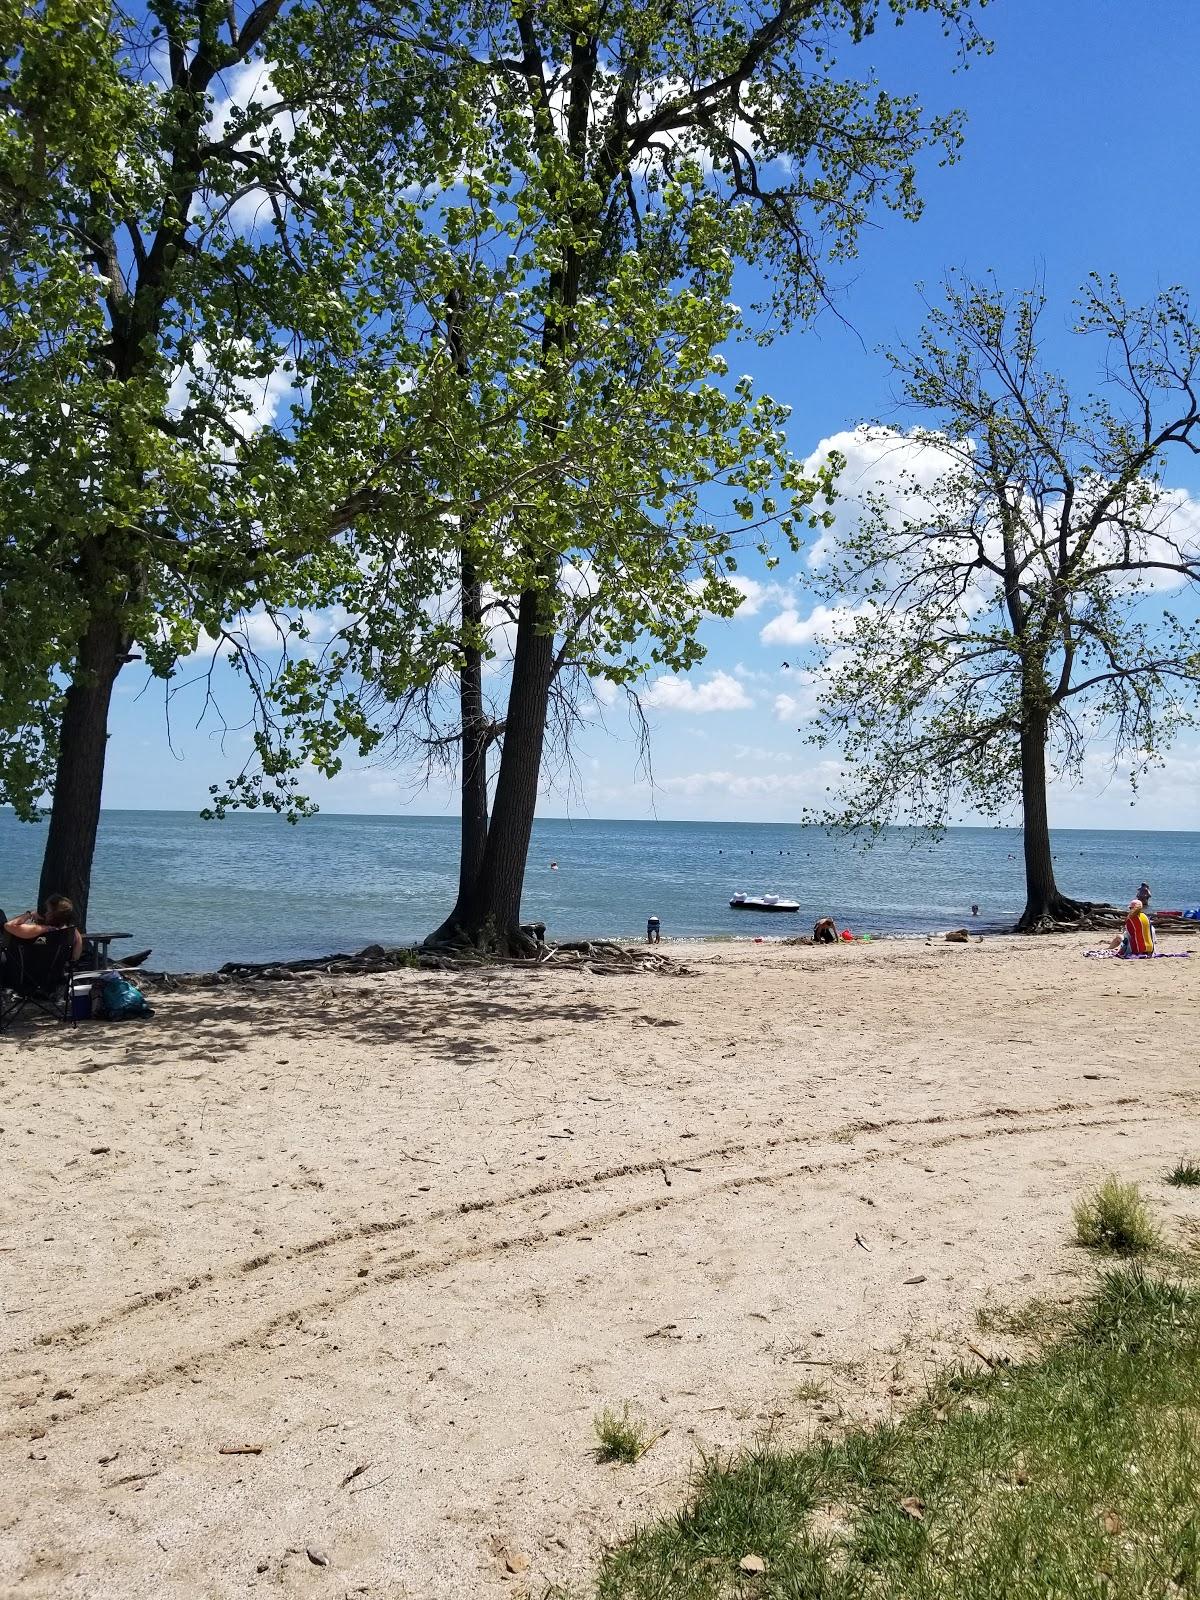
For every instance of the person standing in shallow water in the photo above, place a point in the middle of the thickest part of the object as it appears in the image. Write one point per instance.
(1143, 895)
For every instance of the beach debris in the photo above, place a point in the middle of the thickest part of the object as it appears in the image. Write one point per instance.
(752, 1565)
(365, 1488)
(63, 1394)
(106, 1461)
(862, 1243)
(669, 1330)
(100, 1150)
(976, 1351)
(133, 1477)
(920, 1278)
(666, 1177)
(240, 1450)
(317, 1557)
(514, 1561)
(355, 1472)
(958, 936)
(913, 1506)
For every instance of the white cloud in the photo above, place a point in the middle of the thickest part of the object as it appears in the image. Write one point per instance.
(806, 786)
(721, 692)
(909, 472)
(822, 622)
(754, 593)
(249, 88)
(257, 399)
(877, 460)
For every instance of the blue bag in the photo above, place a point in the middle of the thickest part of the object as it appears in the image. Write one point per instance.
(121, 1000)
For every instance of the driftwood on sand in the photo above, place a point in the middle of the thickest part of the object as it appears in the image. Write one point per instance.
(600, 956)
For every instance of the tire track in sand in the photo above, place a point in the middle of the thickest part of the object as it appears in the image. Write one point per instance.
(359, 1233)
(366, 1231)
(237, 1299)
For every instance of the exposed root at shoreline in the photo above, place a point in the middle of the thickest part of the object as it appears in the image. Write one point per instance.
(1093, 917)
(600, 956)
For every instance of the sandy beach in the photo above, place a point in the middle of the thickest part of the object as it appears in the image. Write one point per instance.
(404, 1236)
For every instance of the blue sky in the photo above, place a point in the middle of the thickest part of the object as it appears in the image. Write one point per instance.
(1078, 156)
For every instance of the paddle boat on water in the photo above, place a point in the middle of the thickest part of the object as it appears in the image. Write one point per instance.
(762, 902)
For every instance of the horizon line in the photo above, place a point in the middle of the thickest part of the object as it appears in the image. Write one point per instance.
(700, 822)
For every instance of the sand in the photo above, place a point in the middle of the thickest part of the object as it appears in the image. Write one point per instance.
(421, 1228)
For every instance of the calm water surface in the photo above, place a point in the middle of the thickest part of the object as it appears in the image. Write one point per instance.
(256, 888)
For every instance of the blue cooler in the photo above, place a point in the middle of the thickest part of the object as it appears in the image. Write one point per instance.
(80, 1007)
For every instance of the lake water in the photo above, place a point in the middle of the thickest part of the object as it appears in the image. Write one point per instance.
(257, 888)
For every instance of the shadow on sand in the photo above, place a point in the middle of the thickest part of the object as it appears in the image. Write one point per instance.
(470, 1019)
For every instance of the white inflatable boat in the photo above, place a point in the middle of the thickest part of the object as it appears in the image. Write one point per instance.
(762, 902)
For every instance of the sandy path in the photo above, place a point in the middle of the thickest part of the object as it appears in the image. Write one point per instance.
(432, 1225)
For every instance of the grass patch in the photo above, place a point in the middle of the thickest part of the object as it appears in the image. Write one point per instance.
(620, 1436)
(811, 1389)
(1071, 1474)
(1184, 1175)
(1115, 1220)
(1040, 1320)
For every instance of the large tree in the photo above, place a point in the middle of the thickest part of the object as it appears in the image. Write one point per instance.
(171, 346)
(598, 472)
(1022, 585)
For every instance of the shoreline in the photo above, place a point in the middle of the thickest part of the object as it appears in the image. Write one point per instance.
(393, 956)
(387, 958)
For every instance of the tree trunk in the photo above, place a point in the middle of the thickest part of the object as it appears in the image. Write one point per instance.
(476, 737)
(79, 778)
(491, 915)
(1044, 904)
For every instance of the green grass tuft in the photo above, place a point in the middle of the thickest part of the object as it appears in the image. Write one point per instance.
(1071, 1474)
(811, 1389)
(1184, 1175)
(620, 1436)
(1114, 1219)
(1039, 1320)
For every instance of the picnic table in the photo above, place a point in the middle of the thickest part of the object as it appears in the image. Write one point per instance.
(102, 942)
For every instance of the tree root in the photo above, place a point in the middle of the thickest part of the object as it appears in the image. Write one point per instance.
(600, 956)
(1073, 916)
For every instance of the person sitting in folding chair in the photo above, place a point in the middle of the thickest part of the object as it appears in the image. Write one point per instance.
(40, 950)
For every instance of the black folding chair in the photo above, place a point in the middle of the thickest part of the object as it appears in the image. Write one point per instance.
(37, 972)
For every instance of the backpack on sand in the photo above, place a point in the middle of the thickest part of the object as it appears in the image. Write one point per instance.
(121, 1000)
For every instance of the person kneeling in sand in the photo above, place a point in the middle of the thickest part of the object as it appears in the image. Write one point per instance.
(825, 931)
(1138, 937)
